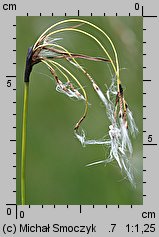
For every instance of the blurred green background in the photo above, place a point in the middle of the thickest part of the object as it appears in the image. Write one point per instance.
(56, 161)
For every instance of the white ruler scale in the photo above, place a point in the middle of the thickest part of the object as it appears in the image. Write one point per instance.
(80, 220)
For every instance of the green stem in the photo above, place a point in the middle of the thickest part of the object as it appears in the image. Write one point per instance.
(24, 127)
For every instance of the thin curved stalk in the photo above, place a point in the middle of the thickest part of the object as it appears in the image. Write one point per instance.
(115, 68)
(62, 73)
(91, 36)
(88, 23)
(23, 158)
(61, 47)
(79, 84)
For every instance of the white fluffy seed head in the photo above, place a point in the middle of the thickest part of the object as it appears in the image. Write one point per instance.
(100, 94)
(62, 88)
(82, 138)
(119, 143)
(132, 126)
(126, 143)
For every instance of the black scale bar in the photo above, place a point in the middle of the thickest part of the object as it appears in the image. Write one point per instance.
(10, 76)
(149, 144)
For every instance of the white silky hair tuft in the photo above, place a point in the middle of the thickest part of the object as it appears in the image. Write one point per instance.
(126, 143)
(62, 88)
(133, 128)
(119, 143)
(100, 94)
(82, 138)
(49, 40)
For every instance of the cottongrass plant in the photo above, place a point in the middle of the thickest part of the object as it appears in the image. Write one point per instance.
(48, 50)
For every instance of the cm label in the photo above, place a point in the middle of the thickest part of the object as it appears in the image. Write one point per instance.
(9, 7)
